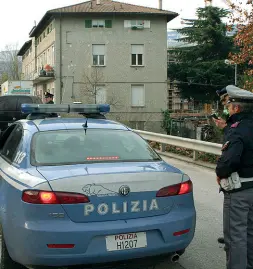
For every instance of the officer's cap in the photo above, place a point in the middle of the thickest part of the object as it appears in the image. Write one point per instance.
(222, 93)
(239, 95)
(48, 95)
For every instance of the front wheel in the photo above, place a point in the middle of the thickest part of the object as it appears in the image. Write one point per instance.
(6, 261)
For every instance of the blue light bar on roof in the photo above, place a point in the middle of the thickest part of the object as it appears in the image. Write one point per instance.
(65, 108)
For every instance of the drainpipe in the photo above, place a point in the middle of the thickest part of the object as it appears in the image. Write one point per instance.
(61, 58)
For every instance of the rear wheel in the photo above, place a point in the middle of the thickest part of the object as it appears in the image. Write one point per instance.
(6, 261)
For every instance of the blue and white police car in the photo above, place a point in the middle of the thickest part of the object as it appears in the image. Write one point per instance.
(84, 191)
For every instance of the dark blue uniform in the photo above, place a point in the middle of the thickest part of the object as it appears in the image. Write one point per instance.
(237, 156)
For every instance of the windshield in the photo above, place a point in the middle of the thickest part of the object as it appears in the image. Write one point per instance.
(64, 147)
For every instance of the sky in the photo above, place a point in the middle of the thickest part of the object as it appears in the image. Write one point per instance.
(18, 17)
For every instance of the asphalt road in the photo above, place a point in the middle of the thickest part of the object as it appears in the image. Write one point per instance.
(204, 251)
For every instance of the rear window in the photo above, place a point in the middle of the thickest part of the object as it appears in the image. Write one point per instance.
(97, 145)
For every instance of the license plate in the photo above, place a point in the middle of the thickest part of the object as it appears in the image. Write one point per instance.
(126, 241)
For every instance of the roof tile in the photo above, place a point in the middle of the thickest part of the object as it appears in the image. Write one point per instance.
(109, 6)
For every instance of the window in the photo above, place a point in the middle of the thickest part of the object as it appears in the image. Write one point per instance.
(98, 23)
(98, 53)
(100, 94)
(49, 61)
(8, 103)
(137, 55)
(23, 100)
(52, 55)
(136, 24)
(138, 95)
(11, 145)
(95, 146)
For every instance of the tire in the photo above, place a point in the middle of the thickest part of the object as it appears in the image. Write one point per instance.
(6, 261)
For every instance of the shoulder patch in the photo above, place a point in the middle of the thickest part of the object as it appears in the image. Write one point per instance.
(235, 124)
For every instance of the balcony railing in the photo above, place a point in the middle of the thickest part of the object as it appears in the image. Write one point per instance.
(44, 74)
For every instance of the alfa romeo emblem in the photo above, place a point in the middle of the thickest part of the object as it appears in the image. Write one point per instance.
(124, 190)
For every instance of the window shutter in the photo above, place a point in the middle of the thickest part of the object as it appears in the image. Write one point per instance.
(101, 94)
(98, 49)
(137, 49)
(127, 24)
(146, 24)
(108, 23)
(138, 98)
(88, 23)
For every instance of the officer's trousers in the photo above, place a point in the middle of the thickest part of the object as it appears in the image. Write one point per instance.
(238, 229)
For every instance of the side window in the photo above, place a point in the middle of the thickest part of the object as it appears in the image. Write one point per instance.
(11, 145)
(23, 100)
(5, 135)
(8, 103)
(2, 103)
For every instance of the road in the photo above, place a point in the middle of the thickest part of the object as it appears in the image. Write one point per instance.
(204, 251)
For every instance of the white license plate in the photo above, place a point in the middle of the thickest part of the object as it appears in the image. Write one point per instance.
(126, 241)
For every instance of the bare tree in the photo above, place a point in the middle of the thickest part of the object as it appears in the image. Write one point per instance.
(93, 84)
(3, 77)
(10, 62)
(135, 117)
(93, 78)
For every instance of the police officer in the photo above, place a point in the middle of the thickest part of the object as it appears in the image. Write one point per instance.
(49, 98)
(235, 176)
(223, 124)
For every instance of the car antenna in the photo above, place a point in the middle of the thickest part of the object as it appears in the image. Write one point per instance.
(85, 126)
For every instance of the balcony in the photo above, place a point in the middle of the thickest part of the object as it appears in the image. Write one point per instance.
(44, 74)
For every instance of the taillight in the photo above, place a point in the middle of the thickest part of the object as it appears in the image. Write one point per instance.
(179, 189)
(50, 197)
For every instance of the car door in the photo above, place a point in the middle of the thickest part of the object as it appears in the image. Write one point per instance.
(8, 105)
(9, 143)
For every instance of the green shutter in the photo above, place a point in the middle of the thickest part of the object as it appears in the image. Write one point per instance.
(108, 24)
(88, 23)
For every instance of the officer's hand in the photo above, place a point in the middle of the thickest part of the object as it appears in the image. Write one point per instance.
(220, 123)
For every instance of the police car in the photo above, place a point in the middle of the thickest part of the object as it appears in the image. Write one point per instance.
(82, 191)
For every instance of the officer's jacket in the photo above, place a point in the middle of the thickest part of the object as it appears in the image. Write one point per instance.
(237, 150)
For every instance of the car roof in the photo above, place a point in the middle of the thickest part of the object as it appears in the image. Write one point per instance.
(18, 95)
(52, 124)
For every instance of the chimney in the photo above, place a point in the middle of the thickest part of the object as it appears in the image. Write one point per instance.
(98, 2)
(160, 4)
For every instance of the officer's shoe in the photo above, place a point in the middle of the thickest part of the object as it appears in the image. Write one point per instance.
(221, 240)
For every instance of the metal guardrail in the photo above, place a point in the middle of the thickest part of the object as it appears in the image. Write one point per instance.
(192, 144)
